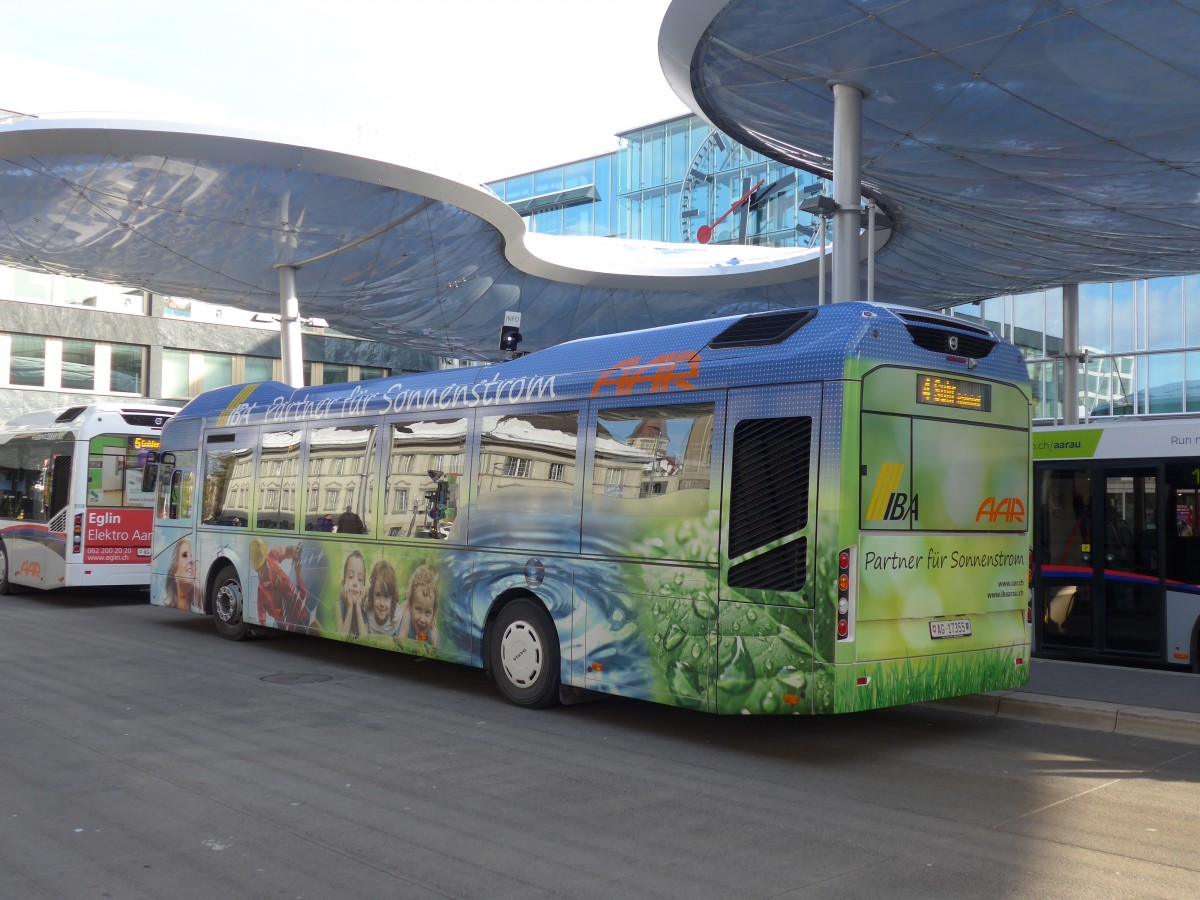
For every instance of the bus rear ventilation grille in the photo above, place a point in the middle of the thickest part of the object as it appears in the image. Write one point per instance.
(945, 322)
(762, 329)
(953, 343)
(145, 418)
(68, 415)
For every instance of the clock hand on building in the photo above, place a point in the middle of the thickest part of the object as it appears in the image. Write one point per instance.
(780, 184)
(704, 232)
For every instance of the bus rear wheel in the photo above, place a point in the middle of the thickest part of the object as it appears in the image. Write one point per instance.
(524, 654)
(227, 605)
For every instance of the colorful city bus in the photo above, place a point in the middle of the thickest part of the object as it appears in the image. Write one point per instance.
(799, 511)
(76, 507)
(1117, 553)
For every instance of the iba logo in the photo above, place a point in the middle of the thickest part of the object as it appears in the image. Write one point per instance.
(887, 503)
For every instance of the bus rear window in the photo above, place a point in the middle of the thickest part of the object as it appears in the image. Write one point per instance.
(938, 475)
(116, 463)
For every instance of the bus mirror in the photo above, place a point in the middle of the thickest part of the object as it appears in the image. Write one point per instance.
(150, 473)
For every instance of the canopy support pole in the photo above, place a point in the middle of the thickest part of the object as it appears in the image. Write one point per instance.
(1070, 354)
(290, 346)
(847, 191)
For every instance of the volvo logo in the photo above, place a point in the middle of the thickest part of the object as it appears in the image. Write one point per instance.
(952, 341)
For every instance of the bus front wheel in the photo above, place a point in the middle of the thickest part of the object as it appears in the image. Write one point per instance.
(227, 606)
(524, 654)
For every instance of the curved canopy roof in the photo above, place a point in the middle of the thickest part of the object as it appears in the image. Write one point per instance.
(383, 251)
(1014, 145)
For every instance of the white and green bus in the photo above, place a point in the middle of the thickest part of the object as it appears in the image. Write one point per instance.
(800, 511)
(75, 500)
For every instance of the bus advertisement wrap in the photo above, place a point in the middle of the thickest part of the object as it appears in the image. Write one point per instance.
(755, 515)
(117, 535)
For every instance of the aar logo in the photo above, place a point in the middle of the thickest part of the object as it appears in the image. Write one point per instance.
(887, 503)
(671, 371)
(1001, 509)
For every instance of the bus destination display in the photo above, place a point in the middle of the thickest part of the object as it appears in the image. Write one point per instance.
(938, 390)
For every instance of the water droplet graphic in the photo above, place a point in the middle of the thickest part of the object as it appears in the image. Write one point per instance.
(674, 638)
(738, 675)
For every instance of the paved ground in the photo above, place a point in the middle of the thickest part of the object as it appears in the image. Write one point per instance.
(143, 757)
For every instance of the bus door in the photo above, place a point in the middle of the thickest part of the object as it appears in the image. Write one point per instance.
(1099, 557)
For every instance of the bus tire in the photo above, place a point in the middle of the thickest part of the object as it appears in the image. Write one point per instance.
(524, 654)
(5, 584)
(227, 605)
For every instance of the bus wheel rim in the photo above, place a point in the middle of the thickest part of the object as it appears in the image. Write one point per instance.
(521, 654)
(229, 602)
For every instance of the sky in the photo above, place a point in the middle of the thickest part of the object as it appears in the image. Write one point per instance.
(477, 89)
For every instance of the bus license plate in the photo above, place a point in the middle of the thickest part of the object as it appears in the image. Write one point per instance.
(950, 628)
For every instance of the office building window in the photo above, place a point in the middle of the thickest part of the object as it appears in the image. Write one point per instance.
(127, 368)
(216, 371)
(175, 378)
(259, 368)
(335, 373)
(27, 361)
(78, 365)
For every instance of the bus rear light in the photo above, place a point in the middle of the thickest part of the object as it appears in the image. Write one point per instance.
(1019, 661)
(791, 699)
(862, 680)
(77, 534)
(597, 667)
(845, 602)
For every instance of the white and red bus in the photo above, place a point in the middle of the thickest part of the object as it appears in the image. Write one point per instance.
(76, 505)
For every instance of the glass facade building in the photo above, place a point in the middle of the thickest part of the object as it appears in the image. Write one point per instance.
(669, 180)
(663, 183)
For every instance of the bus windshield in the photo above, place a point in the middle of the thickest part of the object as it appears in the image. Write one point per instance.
(34, 477)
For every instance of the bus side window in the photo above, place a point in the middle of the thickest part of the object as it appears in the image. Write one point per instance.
(652, 473)
(175, 494)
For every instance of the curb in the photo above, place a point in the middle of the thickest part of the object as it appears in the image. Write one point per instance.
(1091, 715)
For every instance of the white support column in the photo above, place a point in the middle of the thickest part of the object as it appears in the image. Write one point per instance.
(290, 346)
(847, 190)
(1070, 354)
